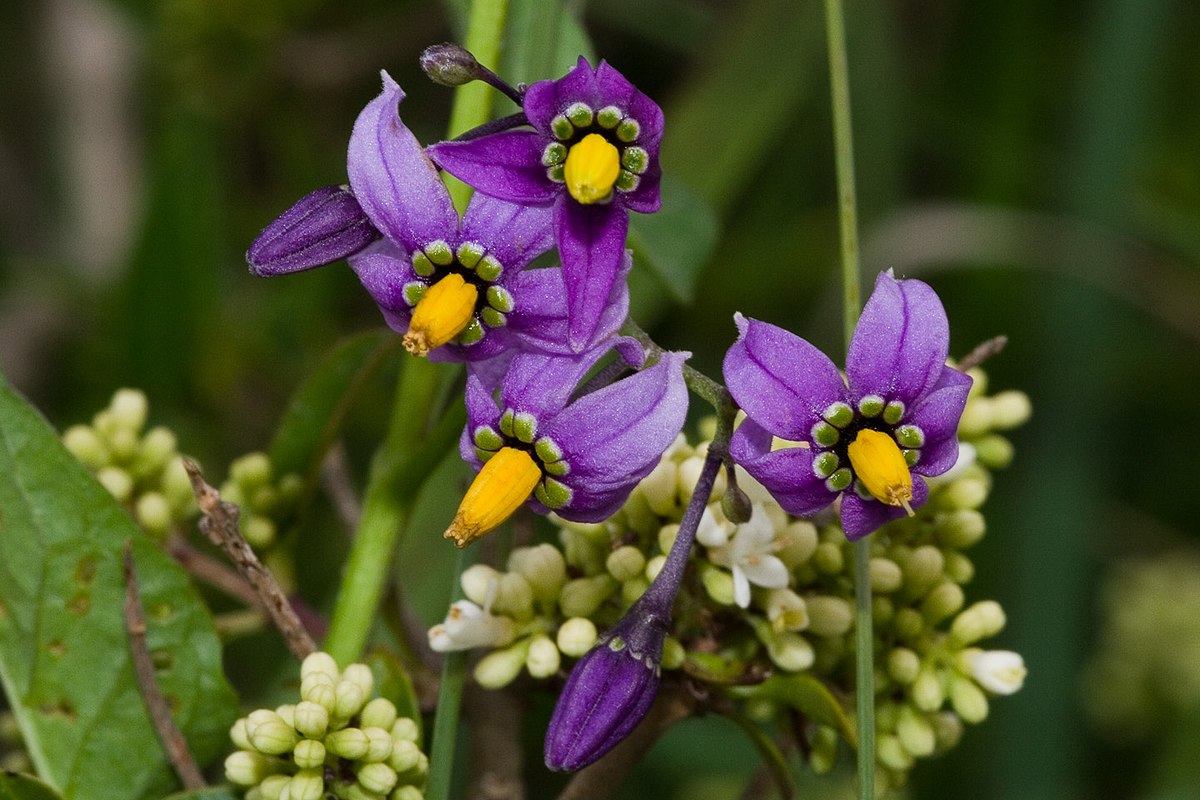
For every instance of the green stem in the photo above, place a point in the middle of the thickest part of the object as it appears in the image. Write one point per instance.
(449, 707)
(839, 85)
(473, 102)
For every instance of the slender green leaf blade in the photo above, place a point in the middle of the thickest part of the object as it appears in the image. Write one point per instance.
(25, 787)
(809, 696)
(64, 657)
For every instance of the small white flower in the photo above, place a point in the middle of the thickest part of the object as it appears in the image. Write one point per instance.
(998, 671)
(467, 626)
(749, 555)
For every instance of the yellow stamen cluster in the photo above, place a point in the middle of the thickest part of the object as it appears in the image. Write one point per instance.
(593, 166)
(880, 466)
(505, 482)
(443, 313)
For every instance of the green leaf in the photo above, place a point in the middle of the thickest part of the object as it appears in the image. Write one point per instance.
(544, 39)
(807, 695)
(676, 242)
(208, 793)
(64, 654)
(318, 408)
(24, 787)
(396, 685)
(773, 759)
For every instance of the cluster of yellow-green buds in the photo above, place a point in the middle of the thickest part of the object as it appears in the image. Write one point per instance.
(986, 419)
(265, 499)
(140, 468)
(335, 742)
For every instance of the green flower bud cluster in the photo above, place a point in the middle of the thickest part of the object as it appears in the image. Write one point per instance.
(986, 418)
(1142, 677)
(266, 501)
(335, 742)
(140, 468)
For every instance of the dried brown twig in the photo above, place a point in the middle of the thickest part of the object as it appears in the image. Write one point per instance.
(982, 352)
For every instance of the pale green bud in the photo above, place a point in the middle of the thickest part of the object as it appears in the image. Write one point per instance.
(908, 623)
(309, 754)
(977, 418)
(291, 486)
(654, 566)
(790, 651)
(891, 753)
(349, 743)
(947, 729)
(348, 699)
(797, 543)
(273, 737)
(959, 567)
(319, 688)
(251, 470)
(576, 636)
(882, 609)
(979, 382)
(922, 568)
(232, 493)
(661, 488)
(633, 588)
(543, 566)
(543, 658)
(238, 735)
(997, 671)
(829, 616)
(377, 777)
(287, 713)
(408, 792)
(828, 559)
(926, 692)
(356, 791)
(960, 529)
(117, 482)
(247, 768)
(915, 732)
(625, 562)
(129, 409)
(886, 576)
(581, 552)
(379, 744)
(514, 597)
(153, 513)
(582, 596)
(903, 665)
(405, 729)
(501, 667)
(786, 609)
(86, 445)
(639, 516)
(994, 451)
(943, 601)
(177, 486)
(718, 583)
(480, 583)
(979, 621)
(264, 500)
(689, 473)
(259, 531)
(379, 713)
(1010, 409)
(156, 447)
(666, 536)
(673, 654)
(823, 756)
(312, 719)
(273, 787)
(307, 784)
(123, 444)
(360, 674)
(319, 662)
(962, 493)
(968, 699)
(405, 755)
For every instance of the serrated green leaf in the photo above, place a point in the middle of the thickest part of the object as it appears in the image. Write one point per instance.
(676, 242)
(64, 657)
(318, 408)
(208, 793)
(24, 787)
(809, 696)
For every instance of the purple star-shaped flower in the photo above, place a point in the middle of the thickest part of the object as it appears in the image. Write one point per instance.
(592, 157)
(898, 416)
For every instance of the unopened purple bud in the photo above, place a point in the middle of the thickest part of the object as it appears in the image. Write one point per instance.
(322, 227)
(449, 65)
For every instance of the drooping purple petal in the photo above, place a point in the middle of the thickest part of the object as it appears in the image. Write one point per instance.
(615, 89)
(541, 383)
(591, 241)
(481, 410)
(383, 268)
(514, 234)
(545, 99)
(614, 436)
(506, 165)
(540, 314)
(647, 197)
(900, 344)
(322, 227)
(787, 474)
(860, 517)
(782, 381)
(937, 416)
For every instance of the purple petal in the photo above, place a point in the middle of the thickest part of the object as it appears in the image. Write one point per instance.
(383, 268)
(860, 517)
(514, 234)
(397, 186)
(937, 416)
(540, 314)
(591, 241)
(481, 410)
(614, 89)
(541, 384)
(545, 99)
(900, 343)
(647, 197)
(506, 165)
(322, 227)
(782, 381)
(614, 436)
(787, 474)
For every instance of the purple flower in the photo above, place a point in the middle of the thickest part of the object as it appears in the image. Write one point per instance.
(592, 157)
(898, 416)
(322, 227)
(577, 457)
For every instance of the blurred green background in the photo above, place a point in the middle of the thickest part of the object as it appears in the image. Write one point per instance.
(1038, 162)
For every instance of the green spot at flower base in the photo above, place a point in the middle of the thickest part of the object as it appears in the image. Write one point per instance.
(839, 414)
(524, 427)
(500, 299)
(558, 468)
(910, 436)
(580, 115)
(608, 117)
(552, 494)
(487, 438)
(562, 127)
(422, 265)
(839, 480)
(469, 254)
(635, 159)
(911, 457)
(547, 450)
(628, 130)
(493, 318)
(616, 644)
(825, 434)
(825, 464)
(439, 253)
(871, 405)
(506, 422)
(555, 153)
(893, 412)
(414, 291)
(484, 455)
(627, 181)
(489, 268)
(472, 333)
(557, 173)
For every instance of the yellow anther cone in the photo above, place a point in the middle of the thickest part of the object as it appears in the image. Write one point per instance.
(880, 466)
(504, 483)
(441, 314)
(592, 167)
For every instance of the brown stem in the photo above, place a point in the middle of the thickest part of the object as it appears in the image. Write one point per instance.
(212, 572)
(495, 719)
(220, 524)
(982, 352)
(172, 740)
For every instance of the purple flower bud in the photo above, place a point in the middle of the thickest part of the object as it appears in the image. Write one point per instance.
(322, 227)
(449, 65)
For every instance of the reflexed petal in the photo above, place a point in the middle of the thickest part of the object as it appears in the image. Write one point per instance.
(591, 241)
(782, 381)
(860, 517)
(506, 165)
(787, 474)
(614, 89)
(541, 383)
(481, 407)
(900, 343)
(322, 227)
(540, 314)
(766, 571)
(396, 185)
(647, 197)
(545, 99)
(514, 234)
(937, 416)
(741, 586)
(383, 268)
